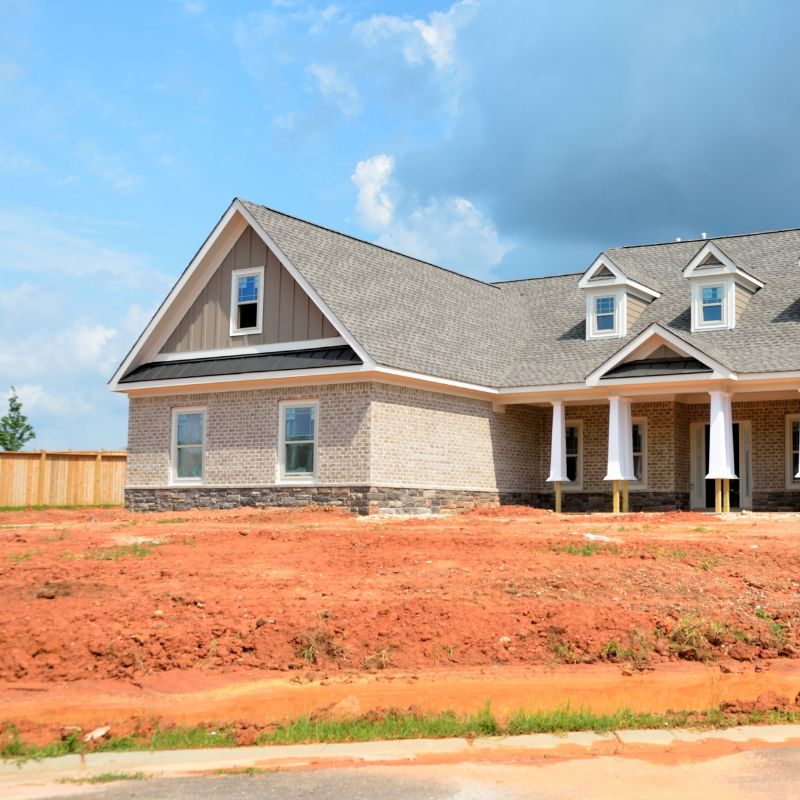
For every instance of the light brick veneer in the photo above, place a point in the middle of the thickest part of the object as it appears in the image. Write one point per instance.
(385, 447)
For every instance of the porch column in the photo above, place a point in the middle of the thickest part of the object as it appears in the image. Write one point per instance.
(558, 451)
(620, 449)
(720, 449)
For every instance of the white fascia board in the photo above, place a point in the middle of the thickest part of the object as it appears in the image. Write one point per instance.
(446, 382)
(652, 330)
(304, 284)
(215, 382)
(278, 347)
(166, 304)
(728, 267)
(619, 279)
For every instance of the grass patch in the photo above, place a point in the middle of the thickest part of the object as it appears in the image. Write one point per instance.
(315, 644)
(18, 558)
(392, 724)
(171, 521)
(242, 771)
(107, 777)
(669, 553)
(135, 550)
(47, 508)
(585, 549)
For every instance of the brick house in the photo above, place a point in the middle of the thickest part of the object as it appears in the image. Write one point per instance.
(291, 364)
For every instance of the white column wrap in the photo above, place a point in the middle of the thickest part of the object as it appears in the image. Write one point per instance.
(558, 444)
(720, 444)
(620, 440)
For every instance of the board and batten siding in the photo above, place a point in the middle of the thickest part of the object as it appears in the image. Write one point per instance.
(289, 313)
(743, 296)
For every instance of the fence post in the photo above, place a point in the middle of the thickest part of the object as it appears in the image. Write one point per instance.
(96, 497)
(40, 499)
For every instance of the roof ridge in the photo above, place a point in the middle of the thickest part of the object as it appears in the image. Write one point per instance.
(370, 244)
(539, 278)
(707, 239)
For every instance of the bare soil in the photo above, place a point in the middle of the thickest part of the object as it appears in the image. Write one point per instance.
(185, 598)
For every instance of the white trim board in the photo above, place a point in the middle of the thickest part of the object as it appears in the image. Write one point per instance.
(256, 349)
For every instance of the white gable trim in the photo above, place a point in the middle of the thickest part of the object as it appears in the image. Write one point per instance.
(589, 279)
(671, 339)
(305, 285)
(727, 266)
(171, 307)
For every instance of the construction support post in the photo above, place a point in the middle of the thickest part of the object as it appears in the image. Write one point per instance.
(626, 506)
(726, 495)
(558, 496)
(718, 495)
(615, 488)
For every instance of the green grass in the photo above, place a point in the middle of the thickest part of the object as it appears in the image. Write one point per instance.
(135, 550)
(18, 558)
(171, 521)
(587, 549)
(242, 771)
(396, 724)
(107, 777)
(46, 508)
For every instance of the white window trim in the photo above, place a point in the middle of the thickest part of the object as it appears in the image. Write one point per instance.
(173, 468)
(728, 305)
(295, 478)
(246, 273)
(577, 484)
(792, 483)
(642, 484)
(620, 313)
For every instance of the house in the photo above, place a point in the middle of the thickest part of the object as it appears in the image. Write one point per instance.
(291, 364)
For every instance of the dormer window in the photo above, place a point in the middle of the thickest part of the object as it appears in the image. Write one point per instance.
(720, 290)
(247, 304)
(605, 314)
(614, 300)
(712, 302)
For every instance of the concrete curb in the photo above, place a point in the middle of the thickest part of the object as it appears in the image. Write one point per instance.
(174, 762)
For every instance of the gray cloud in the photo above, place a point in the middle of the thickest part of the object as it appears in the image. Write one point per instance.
(587, 125)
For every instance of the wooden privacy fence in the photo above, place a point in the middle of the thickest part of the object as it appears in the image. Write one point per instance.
(62, 478)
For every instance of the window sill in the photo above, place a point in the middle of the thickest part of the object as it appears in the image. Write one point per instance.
(300, 480)
(246, 332)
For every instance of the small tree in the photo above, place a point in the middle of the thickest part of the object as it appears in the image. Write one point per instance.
(14, 428)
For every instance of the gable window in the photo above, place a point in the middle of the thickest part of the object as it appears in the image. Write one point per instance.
(247, 302)
(298, 440)
(574, 450)
(792, 451)
(188, 444)
(712, 304)
(605, 313)
(639, 436)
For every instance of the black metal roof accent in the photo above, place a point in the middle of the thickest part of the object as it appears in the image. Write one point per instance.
(340, 356)
(648, 367)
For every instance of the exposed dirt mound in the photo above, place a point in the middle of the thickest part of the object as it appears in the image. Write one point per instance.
(99, 593)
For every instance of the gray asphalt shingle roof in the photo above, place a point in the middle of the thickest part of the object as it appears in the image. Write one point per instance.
(412, 315)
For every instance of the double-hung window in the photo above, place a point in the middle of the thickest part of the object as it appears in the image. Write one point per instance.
(188, 444)
(298, 440)
(574, 456)
(247, 301)
(639, 435)
(792, 451)
(712, 300)
(605, 314)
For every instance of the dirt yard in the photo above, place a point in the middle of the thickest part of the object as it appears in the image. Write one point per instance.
(106, 595)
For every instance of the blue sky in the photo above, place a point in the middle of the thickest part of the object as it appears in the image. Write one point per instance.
(502, 139)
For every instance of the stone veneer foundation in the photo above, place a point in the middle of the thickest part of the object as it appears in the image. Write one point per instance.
(360, 499)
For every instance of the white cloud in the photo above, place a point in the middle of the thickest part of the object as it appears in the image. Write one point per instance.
(449, 231)
(419, 40)
(193, 8)
(38, 400)
(29, 244)
(336, 87)
(374, 206)
(111, 168)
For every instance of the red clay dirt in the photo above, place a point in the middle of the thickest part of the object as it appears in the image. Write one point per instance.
(196, 601)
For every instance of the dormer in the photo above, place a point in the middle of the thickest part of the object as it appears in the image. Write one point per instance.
(720, 289)
(614, 300)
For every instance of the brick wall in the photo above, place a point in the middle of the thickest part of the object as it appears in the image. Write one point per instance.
(242, 435)
(429, 439)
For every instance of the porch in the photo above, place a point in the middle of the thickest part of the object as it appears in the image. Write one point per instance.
(718, 450)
